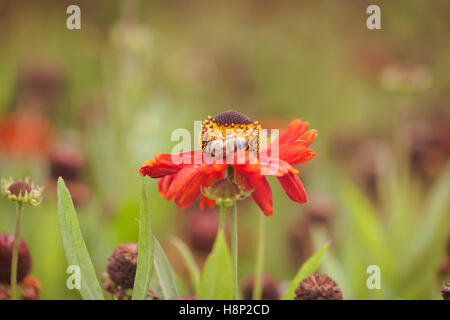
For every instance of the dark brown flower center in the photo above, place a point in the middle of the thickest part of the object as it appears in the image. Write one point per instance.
(19, 188)
(229, 117)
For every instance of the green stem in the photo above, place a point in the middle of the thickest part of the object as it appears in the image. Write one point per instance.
(223, 215)
(234, 249)
(257, 288)
(15, 255)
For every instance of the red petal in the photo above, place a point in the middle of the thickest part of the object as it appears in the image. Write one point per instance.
(293, 131)
(185, 187)
(210, 203)
(297, 154)
(164, 184)
(293, 187)
(166, 164)
(292, 143)
(262, 194)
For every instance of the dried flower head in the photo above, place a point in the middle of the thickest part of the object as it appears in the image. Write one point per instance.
(121, 266)
(22, 191)
(445, 290)
(6, 249)
(270, 288)
(318, 287)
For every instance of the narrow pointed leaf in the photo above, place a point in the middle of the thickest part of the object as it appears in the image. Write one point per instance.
(145, 250)
(164, 272)
(305, 270)
(75, 247)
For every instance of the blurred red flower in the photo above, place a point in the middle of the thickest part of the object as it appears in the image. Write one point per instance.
(24, 133)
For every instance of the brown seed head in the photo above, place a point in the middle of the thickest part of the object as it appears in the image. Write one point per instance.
(445, 290)
(121, 266)
(230, 116)
(318, 287)
(6, 249)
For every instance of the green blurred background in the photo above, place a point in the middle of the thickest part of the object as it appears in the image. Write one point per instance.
(94, 104)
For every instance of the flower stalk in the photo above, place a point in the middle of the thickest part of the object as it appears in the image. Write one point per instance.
(234, 249)
(15, 255)
(21, 192)
(223, 216)
(257, 288)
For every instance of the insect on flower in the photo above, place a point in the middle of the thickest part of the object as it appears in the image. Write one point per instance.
(224, 138)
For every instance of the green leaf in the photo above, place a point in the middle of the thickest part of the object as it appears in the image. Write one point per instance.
(192, 266)
(145, 252)
(436, 216)
(164, 273)
(426, 250)
(74, 246)
(216, 282)
(305, 270)
(367, 224)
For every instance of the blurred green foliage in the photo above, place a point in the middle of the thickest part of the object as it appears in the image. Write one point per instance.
(137, 70)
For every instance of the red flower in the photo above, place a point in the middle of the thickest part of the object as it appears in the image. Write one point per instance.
(182, 182)
(24, 133)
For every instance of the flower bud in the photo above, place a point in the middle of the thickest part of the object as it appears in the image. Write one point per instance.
(318, 287)
(121, 266)
(6, 249)
(225, 192)
(22, 191)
